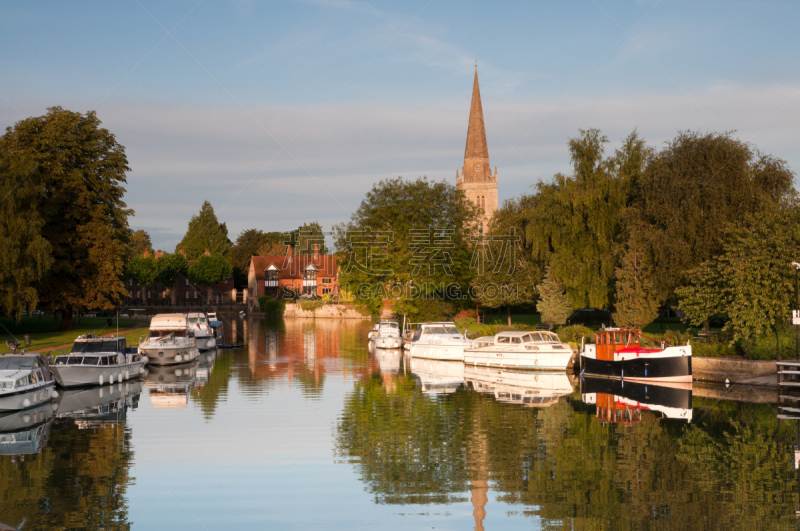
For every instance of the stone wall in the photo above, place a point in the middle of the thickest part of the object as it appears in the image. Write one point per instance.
(326, 311)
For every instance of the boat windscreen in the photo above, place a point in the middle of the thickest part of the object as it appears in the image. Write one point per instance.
(443, 330)
(89, 347)
(192, 320)
(11, 363)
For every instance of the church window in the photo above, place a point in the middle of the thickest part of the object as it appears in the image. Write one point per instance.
(478, 169)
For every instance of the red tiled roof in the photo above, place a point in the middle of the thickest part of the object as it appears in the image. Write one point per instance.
(294, 266)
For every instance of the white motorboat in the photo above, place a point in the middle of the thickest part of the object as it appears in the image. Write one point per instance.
(437, 377)
(539, 350)
(438, 341)
(386, 334)
(97, 361)
(526, 388)
(25, 381)
(200, 324)
(171, 341)
(217, 326)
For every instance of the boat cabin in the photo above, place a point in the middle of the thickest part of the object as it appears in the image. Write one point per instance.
(17, 371)
(611, 340)
(90, 345)
(436, 329)
(90, 359)
(526, 340)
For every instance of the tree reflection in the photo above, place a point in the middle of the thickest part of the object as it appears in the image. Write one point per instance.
(78, 482)
(732, 468)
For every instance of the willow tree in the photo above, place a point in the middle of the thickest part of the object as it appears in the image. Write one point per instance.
(577, 223)
(73, 197)
(636, 301)
(692, 191)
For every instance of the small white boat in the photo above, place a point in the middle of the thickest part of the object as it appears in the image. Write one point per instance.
(217, 326)
(539, 350)
(437, 377)
(171, 341)
(438, 341)
(526, 388)
(97, 361)
(386, 334)
(25, 381)
(200, 325)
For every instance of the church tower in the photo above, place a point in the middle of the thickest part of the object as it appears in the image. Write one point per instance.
(476, 178)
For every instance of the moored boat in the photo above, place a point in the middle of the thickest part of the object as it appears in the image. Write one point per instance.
(200, 325)
(171, 341)
(25, 381)
(539, 350)
(438, 341)
(386, 334)
(97, 361)
(618, 353)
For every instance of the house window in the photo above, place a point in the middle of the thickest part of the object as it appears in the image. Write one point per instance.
(327, 280)
(149, 294)
(187, 281)
(310, 281)
(138, 294)
(271, 281)
(130, 282)
(195, 294)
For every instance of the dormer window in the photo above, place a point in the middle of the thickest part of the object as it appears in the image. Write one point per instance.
(271, 277)
(310, 280)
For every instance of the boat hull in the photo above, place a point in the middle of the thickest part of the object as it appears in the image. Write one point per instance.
(95, 375)
(387, 342)
(205, 342)
(168, 354)
(27, 398)
(644, 368)
(438, 352)
(524, 360)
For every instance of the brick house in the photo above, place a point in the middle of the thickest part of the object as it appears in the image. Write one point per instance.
(313, 274)
(184, 292)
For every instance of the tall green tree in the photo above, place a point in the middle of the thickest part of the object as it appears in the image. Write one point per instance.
(507, 275)
(305, 237)
(26, 254)
(205, 232)
(576, 224)
(752, 280)
(689, 194)
(210, 270)
(554, 303)
(142, 269)
(636, 300)
(77, 173)
(247, 244)
(170, 267)
(406, 241)
(140, 243)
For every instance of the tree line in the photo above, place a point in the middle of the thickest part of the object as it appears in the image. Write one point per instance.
(707, 224)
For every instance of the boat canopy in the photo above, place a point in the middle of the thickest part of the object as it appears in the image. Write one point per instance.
(526, 337)
(88, 346)
(168, 321)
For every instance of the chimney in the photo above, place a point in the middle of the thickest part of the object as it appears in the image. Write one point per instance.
(159, 254)
(207, 253)
(182, 252)
(146, 253)
(316, 252)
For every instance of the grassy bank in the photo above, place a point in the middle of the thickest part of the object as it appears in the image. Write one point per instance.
(45, 334)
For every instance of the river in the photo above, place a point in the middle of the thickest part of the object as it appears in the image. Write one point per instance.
(304, 428)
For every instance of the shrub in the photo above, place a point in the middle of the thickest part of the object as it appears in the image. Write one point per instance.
(574, 333)
(271, 307)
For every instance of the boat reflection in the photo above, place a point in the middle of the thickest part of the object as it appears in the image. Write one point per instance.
(26, 432)
(205, 364)
(169, 385)
(435, 377)
(99, 406)
(627, 402)
(531, 389)
(389, 359)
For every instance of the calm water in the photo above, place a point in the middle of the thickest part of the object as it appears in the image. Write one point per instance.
(305, 429)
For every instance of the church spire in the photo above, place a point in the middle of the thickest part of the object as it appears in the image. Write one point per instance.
(476, 133)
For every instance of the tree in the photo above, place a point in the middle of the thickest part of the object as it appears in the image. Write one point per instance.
(142, 269)
(205, 232)
(305, 237)
(26, 253)
(169, 267)
(554, 305)
(247, 244)
(508, 275)
(408, 242)
(210, 270)
(272, 248)
(576, 223)
(636, 302)
(140, 243)
(77, 176)
(692, 191)
(751, 281)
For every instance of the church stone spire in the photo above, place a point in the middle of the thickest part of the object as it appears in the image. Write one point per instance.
(477, 181)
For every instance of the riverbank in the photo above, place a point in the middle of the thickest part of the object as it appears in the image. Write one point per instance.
(45, 335)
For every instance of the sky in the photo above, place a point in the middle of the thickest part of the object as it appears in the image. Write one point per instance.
(286, 112)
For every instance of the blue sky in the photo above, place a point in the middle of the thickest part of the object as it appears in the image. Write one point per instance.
(285, 112)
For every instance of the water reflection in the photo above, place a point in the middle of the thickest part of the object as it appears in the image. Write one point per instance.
(437, 376)
(25, 432)
(169, 385)
(630, 402)
(526, 388)
(99, 406)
